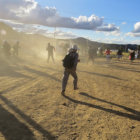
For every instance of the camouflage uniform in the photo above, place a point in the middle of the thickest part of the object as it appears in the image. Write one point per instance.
(71, 72)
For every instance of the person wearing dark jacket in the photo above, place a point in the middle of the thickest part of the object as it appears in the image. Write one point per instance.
(71, 71)
(132, 55)
(119, 54)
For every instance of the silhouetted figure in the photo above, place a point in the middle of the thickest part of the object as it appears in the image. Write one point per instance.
(16, 49)
(138, 57)
(138, 52)
(119, 54)
(70, 63)
(6, 49)
(91, 54)
(131, 55)
(50, 50)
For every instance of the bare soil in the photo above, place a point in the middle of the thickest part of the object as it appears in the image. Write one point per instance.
(106, 106)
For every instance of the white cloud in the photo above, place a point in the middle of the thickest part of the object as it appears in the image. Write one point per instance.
(136, 31)
(137, 27)
(120, 40)
(30, 12)
(108, 28)
(39, 29)
(133, 34)
(135, 42)
(13, 9)
(91, 23)
(112, 40)
(114, 33)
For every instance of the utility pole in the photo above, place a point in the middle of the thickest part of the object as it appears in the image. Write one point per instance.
(87, 46)
(54, 36)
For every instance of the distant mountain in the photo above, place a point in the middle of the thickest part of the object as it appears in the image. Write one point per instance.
(86, 42)
(26, 40)
(37, 41)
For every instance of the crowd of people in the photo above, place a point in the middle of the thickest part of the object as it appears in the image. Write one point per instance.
(94, 52)
(133, 54)
(9, 50)
(71, 59)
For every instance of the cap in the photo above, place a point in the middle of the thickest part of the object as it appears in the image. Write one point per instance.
(74, 47)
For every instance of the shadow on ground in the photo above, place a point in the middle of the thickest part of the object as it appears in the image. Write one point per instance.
(47, 135)
(12, 128)
(10, 68)
(102, 75)
(134, 116)
(42, 74)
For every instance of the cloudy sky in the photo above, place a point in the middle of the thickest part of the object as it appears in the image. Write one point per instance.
(110, 21)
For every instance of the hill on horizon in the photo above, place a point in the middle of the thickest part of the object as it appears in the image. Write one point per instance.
(38, 41)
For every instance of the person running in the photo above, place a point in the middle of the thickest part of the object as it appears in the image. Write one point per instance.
(50, 50)
(70, 63)
(91, 54)
(16, 49)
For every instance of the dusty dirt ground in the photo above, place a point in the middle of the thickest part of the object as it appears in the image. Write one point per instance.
(106, 106)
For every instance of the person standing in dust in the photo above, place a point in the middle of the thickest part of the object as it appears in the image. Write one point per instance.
(65, 48)
(100, 51)
(16, 49)
(50, 50)
(119, 54)
(132, 55)
(108, 57)
(91, 54)
(6, 49)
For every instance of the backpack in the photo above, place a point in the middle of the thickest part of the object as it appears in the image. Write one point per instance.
(68, 61)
